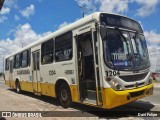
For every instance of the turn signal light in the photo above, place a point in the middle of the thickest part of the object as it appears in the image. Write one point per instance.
(109, 79)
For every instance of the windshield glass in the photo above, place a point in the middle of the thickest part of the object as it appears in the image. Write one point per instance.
(140, 50)
(123, 52)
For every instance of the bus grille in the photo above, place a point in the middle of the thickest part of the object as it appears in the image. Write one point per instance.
(133, 85)
(135, 94)
(132, 78)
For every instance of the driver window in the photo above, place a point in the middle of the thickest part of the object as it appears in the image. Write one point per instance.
(115, 42)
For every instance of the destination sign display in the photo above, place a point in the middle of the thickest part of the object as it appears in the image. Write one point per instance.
(119, 21)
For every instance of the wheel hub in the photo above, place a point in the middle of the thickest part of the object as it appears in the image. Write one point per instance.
(64, 95)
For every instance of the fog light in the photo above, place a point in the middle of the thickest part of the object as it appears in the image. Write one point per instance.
(128, 97)
(119, 87)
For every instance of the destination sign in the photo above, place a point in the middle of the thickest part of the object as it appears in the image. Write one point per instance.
(119, 21)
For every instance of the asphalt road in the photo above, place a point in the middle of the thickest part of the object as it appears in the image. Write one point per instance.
(11, 101)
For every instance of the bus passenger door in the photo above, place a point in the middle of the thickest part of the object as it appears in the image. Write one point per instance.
(88, 70)
(11, 73)
(36, 72)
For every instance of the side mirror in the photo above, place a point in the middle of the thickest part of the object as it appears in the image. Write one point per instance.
(103, 31)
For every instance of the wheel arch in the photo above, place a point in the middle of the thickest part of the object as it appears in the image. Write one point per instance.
(17, 80)
(58, 82)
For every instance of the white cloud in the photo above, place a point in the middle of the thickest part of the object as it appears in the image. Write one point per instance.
(147, 7)
(153, 50)
(86, 5)
(27, 12)
(154, 56)
(115, 6)
(5, 10)
(16, 17)
(152, 37)
(63, 25)
(46, 33)
(11, 3)
(11, 31)
(3, 19)
(23, 35)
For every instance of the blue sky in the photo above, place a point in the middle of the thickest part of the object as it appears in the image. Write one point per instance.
(47, 15)
(25, 21)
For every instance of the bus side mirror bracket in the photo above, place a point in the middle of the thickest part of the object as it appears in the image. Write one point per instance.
(103, 30)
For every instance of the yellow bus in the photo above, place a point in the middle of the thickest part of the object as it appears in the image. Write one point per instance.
(100, 60)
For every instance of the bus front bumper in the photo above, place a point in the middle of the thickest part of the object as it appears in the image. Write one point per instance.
(114, 98)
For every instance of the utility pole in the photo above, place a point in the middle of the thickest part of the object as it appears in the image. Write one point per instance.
(83, 10)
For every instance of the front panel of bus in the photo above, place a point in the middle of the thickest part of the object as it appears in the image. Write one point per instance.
(126, 75)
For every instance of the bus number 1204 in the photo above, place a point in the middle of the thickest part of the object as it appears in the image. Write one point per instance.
(112, 73)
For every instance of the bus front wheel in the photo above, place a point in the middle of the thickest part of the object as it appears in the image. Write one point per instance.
(65, 95)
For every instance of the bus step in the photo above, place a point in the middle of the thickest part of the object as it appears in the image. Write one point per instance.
(91, 94)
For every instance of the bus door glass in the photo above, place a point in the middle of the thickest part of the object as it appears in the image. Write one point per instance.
(86, 68)
(11, 72)
(36, 72)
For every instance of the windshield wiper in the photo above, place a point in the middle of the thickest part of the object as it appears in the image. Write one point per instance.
(135, 39)
(125, 40)
(131, 56)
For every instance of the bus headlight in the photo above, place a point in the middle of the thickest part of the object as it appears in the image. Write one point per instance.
(111, 80)
(114, 83)
(119, 87)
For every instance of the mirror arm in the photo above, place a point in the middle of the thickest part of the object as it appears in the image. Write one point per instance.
(103, 30)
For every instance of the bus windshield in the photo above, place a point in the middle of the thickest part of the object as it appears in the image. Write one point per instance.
(124, 51)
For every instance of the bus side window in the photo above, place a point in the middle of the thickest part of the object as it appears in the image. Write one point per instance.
(7, 65)
(29, 57)
(47, 53)
(24, 60)
(63, 47)
(17, 61)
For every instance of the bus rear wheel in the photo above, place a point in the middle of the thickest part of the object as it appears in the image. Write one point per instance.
(18, 88)
(65, 95)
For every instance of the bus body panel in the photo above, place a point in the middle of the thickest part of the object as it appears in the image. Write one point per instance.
(50, 74)
(114, 98)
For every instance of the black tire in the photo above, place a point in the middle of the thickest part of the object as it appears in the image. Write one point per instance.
(18, 88)
(64, 95)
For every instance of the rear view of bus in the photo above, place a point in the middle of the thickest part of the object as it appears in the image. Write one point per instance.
(125, 61)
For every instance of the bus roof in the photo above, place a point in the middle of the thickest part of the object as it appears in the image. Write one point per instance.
(78, 23)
